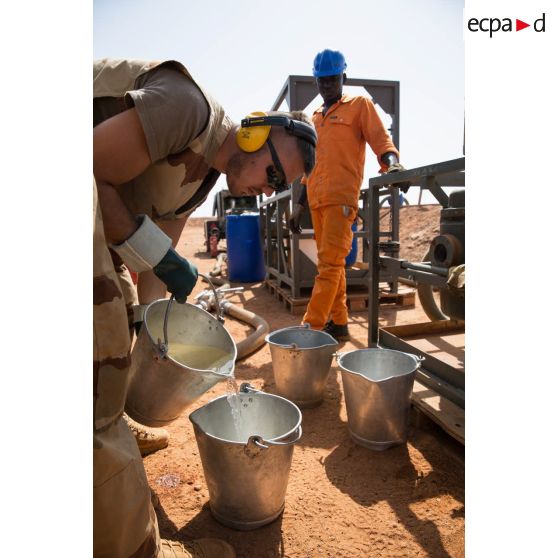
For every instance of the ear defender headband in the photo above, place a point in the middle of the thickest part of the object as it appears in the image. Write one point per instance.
(256, 127)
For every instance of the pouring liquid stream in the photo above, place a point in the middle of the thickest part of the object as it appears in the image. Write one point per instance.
(235, 403)
(211, 358)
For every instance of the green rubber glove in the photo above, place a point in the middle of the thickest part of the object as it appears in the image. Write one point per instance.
(178, 274)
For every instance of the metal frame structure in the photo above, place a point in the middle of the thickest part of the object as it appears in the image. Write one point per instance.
(285, 262)
(438, 375)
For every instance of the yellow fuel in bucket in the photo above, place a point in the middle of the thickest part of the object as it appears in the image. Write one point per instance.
(200, 357)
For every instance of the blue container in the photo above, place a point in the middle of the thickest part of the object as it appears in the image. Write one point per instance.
(401, 199)
(351, 258)
(244, 248)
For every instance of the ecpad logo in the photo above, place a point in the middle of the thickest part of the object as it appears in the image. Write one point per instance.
(494, 24)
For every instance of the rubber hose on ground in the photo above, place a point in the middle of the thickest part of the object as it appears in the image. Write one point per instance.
(218, 281)
(256, 339)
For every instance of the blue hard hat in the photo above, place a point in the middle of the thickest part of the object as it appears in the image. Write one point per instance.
(329, 63)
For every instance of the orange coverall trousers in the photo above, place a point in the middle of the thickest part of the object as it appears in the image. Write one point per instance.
(332, 230)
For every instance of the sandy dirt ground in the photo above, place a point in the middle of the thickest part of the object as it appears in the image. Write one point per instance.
(342, 500)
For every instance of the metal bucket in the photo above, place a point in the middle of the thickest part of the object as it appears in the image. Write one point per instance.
(162, 386)
(377, 384)
(247, 466)
(301, 359)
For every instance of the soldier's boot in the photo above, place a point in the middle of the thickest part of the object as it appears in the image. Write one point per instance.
(149, 439)
(201, 548)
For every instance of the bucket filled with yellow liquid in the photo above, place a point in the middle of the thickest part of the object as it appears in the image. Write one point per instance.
(181, 352)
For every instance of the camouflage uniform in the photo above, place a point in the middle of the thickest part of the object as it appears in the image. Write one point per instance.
(176, 183)
(124, 521)
(172, 187)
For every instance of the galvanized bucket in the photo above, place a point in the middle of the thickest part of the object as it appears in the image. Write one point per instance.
(163, 382)
(377, 384)
(301, 359)
(246, 461)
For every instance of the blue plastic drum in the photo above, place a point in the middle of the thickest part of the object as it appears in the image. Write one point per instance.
(244, 248)
(351, 258)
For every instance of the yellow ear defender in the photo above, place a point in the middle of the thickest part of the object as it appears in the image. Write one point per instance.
(252, 138)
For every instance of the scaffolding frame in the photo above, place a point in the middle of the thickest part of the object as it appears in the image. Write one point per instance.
(285, 262)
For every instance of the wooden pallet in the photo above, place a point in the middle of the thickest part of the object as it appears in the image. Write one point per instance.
(441, 410)
(442, 340)
(357, 297)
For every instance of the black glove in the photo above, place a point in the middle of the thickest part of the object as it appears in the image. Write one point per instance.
(403, 186)
(178, 274)
(294, 219)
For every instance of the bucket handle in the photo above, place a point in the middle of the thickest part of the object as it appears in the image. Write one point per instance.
(264, 444)
(246, 387)
(418, 358)
(305, 325)
(293, 346)
(258, 441)
(164, 345)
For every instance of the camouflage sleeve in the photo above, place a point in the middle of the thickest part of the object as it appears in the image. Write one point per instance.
(172, 110)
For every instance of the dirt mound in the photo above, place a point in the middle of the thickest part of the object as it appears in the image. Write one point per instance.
(418, 226)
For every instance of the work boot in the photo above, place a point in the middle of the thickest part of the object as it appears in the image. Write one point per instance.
(337, 331)
(149, 439)
(201, 548)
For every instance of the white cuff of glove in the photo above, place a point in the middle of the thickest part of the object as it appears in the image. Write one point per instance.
(139, 312)
(145, 248)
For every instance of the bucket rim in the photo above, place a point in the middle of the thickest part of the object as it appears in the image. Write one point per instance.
(340, 356)
(257, 393)
(333, 343)
(182, 365)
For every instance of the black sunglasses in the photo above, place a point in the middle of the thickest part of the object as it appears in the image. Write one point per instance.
(276, 178)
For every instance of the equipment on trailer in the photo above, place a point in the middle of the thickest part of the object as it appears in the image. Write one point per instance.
(447, 251)
(444, 265)
(439, 390)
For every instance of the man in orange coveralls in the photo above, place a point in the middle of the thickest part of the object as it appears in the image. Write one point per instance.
(344, 125)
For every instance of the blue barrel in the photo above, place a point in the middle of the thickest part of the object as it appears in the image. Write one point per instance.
(401, 199)
(244, 248)
(351, 258)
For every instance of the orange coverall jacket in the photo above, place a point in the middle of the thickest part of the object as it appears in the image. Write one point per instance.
(342, 136)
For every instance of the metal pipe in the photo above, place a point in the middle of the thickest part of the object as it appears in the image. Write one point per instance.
(408, 282)
(374, 279)
(218, 307)
(415, 175)
(443, 271)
